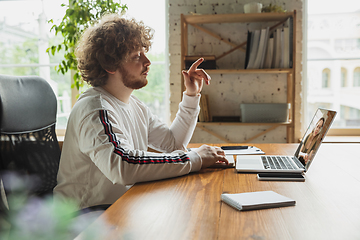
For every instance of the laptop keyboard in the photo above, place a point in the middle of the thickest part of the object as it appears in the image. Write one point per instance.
(278, 162)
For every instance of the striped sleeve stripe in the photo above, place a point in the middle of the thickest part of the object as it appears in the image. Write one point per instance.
(135, 159)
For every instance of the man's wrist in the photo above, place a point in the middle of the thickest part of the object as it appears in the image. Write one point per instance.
(192, 94)
(196, 161)
(191, 101)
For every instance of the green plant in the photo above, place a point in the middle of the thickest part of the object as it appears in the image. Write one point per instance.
(79, 15)
(273, 8)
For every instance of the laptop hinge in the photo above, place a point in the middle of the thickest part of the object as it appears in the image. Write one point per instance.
(298, 163)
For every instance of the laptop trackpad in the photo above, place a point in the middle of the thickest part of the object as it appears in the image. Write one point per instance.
(249, 161)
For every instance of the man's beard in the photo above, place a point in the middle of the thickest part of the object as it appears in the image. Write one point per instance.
(132, 82)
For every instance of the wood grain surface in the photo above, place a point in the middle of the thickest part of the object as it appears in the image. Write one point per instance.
(189, 207)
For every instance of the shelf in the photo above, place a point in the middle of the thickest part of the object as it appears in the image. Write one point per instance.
(271, 126)
(275, 20)
(237, 17)
(249, 71)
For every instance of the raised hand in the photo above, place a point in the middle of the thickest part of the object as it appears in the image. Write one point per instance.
(194, 78)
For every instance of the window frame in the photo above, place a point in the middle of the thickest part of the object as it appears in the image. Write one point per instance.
(326, 83)
(344, 77)
(341, 132)
(356, 77)
(74, 92)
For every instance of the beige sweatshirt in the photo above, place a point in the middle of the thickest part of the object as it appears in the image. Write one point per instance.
(105, 147)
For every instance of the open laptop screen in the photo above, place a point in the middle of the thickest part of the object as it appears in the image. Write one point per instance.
(314, 136)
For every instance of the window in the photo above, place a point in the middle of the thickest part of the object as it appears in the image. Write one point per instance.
(326, 78)
(343, 77)
(24, 38)
(156, 93)
(25, 35)
(342, 45)
(333, 51)
(356, 82)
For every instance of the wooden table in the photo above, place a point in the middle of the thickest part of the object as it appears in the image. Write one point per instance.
(189, 207)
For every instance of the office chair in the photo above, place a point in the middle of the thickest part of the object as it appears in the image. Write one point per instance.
(29, 146)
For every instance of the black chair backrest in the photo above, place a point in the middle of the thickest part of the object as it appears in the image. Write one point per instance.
(29, 145)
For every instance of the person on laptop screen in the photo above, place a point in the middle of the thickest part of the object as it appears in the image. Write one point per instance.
(307, 149)
(310, 142)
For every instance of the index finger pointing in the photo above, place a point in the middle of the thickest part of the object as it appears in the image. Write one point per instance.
(196, 64)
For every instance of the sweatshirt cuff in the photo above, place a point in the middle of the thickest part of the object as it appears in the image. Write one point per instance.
(195, 160)
(191, 101)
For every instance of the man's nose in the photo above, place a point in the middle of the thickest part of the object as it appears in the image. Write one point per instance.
(147, 61)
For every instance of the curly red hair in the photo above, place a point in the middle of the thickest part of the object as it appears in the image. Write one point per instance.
(107, 44)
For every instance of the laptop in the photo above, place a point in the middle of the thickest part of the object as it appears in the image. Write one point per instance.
(304, 155)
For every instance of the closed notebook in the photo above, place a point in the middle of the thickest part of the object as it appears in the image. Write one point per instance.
(256, 200)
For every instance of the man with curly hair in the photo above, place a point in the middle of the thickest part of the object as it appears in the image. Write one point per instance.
(105, 150)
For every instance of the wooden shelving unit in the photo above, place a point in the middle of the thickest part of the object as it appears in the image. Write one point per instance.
(247, 71)
(279, 18)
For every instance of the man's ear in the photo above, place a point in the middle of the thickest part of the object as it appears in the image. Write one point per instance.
(110, 71)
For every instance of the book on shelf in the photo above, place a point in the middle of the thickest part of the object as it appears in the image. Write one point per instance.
(281, 55)
(287, 46)
(254, 45)
(256, 200)
(208, 63)
(270, 48)
(248, 47)
(258, 63)
(277, 49)
(206, 108)
(262, 60)
(269, 53)
(265, 50)
(290, 25)
(274, 50)
(286, 51)
(204, 115)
